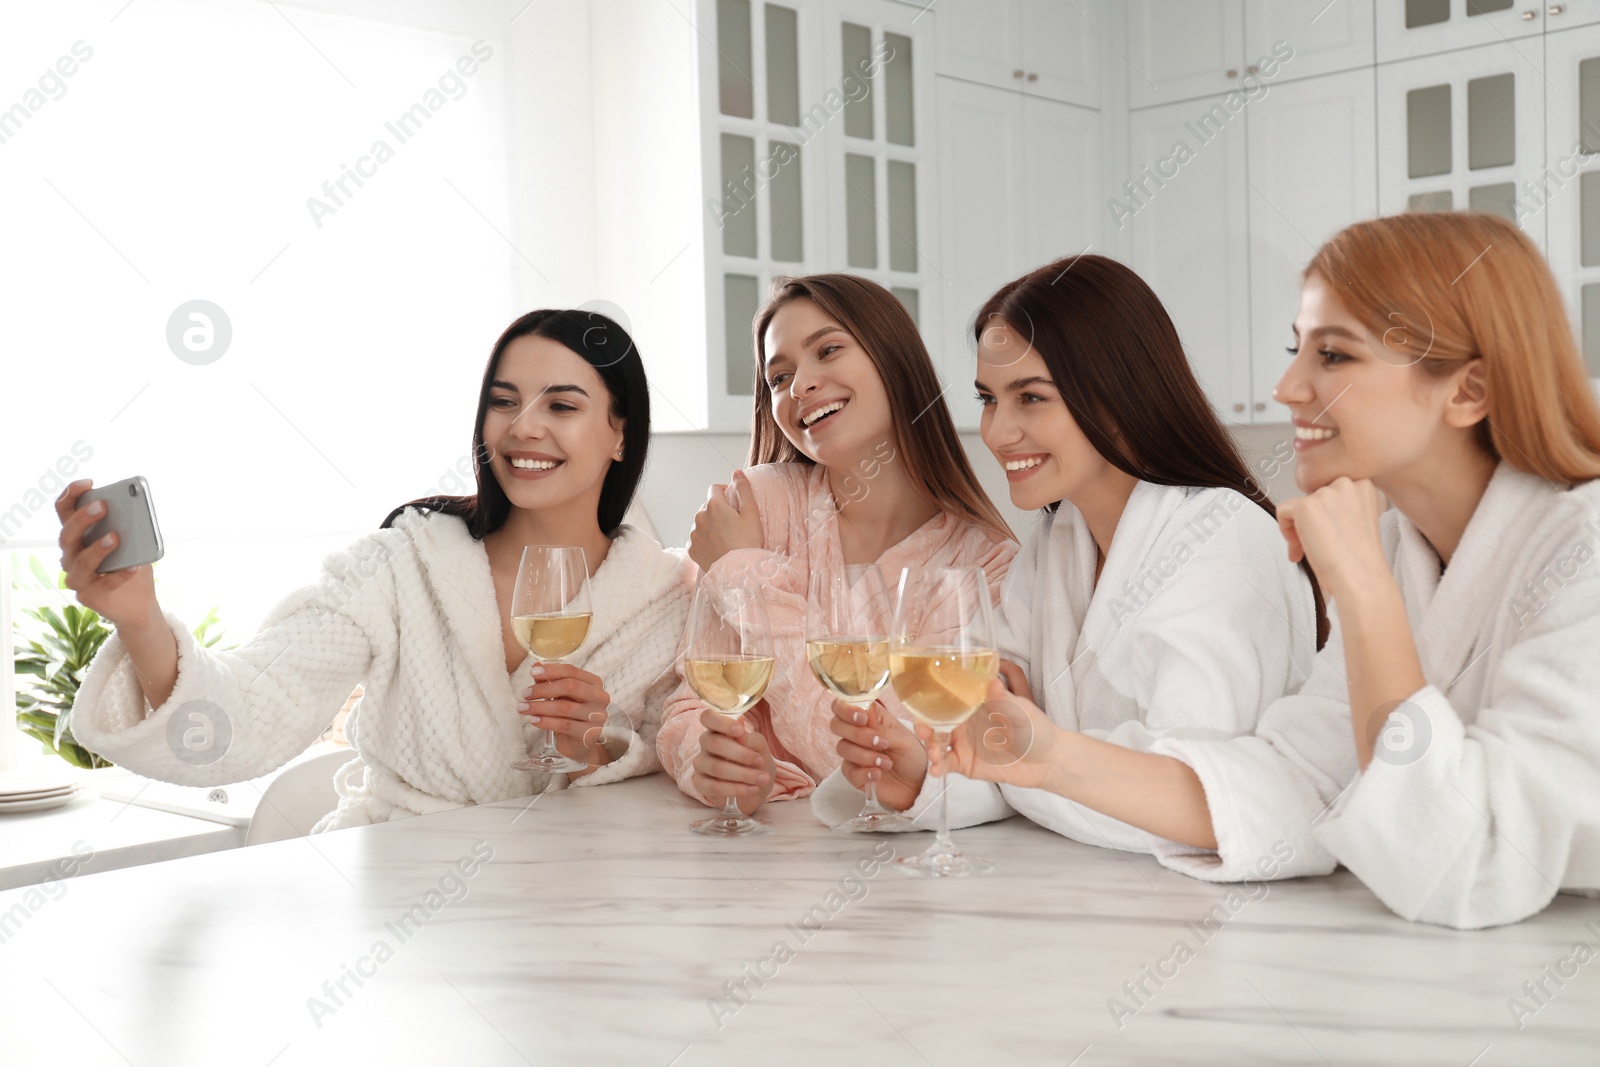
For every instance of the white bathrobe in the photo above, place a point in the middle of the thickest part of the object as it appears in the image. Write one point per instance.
(1486, 797)
(410, 614)
(1199, 622)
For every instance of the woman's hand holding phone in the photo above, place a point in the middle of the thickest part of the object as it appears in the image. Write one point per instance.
(125, 598)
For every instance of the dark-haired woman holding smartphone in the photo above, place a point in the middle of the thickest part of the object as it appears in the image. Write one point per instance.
(1152, 598)
(418, 614)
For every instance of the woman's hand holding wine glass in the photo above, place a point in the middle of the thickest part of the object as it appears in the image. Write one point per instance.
(734, 761)
(550, 614)
(573, 705)
(878, 750)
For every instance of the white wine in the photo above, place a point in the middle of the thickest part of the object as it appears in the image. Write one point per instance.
(551, 636)
(943, 687)
(731, 685)
(851, 668)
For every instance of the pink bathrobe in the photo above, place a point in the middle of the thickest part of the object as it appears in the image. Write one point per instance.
(800, 526)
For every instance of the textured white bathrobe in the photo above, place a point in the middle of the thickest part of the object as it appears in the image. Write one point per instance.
(1199, 622)
(410, 614)
(1486, 799)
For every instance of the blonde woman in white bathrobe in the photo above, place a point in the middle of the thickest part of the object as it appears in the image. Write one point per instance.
(1152, 598)
(1446, 748)
(418, 614)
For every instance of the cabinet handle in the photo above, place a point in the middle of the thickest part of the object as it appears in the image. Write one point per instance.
(1555, 9)
(1260, 406)
(1252, 69)
(1527, 16)
(1238, 407)
(1016, 74)
(1233, 73)
(1033, 77)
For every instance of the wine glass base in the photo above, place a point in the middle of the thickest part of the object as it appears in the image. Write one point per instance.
(941, 865)
(872, 822)
(724, 826)
(548, 764)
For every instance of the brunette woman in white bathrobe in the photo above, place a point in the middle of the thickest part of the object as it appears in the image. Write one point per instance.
(1152, 598)
(418, 614)
(1446, 748)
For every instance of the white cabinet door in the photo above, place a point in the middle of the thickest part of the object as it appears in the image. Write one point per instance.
(1326, 37)
(1061, 47)
(1180, 49)
(1569, 195)
(1570, 14)
(981, 223)
(1461, 130)
(1313, 165)
(981, 41)
(1410, 28)
(1189, 241)
(1060, 166)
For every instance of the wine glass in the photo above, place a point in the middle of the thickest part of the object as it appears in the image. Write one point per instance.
(847, 644)
(942, 658)
(550, 613)
(728, 662)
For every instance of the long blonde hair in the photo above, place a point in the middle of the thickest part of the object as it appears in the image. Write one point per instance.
(1441, 288)
(923, 431)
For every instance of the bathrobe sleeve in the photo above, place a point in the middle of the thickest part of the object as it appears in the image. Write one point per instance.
(1483, 825)
(245, 712)
(785, 596)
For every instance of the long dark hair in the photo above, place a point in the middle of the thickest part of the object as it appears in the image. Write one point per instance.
(1115, 356)
(606, 347)
(923, 432)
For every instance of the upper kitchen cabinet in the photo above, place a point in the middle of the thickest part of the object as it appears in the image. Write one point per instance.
(1180, 49)
(1321, 128)
(817, 142)
(1461, 130)
(1187, 217)
(1410, 28)
(1018, 187)
(1569, 194)
(1326, 37)
(1044, 48)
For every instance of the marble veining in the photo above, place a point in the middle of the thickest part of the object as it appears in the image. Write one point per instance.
(590, 927)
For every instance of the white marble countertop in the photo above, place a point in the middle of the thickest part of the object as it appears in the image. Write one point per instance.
(598, 930)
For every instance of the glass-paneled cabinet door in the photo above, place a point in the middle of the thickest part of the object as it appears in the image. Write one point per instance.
(1571, 14)
(882, 219)
(765, 175)
(1410, 28)
(1462, 131)
(1569, 191)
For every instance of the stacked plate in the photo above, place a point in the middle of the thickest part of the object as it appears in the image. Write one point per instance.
(37, 792)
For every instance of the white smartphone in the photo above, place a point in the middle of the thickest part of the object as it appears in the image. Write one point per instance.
(131, 515)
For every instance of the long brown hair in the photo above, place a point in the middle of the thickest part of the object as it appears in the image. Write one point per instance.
(1115, 357)
(923, 433)
(1442, 288)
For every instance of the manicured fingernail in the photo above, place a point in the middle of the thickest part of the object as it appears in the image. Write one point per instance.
(528, 692)
(97, 507)
(537, 671)
(876, 740)
(523, 706)
(858, 718)
(877, 761)
(107, 539)
(536, 718)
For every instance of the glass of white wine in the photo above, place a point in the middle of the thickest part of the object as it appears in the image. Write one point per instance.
(942, 658)
(550, 614)
(848, 613)
(728, 662)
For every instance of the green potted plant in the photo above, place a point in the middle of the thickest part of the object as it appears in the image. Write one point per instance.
(50, 663)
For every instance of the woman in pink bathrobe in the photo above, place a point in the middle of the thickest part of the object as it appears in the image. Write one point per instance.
(843, 469)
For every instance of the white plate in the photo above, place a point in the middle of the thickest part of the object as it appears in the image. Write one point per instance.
(33, 784)
(17, 807)
(42, 794)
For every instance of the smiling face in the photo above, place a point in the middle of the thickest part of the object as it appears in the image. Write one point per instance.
(827, 395)
(549, 426)
(1028, 426)
(1363, 409)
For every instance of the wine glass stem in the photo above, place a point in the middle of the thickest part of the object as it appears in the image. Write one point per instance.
(731, 809)
(872, 806)
(548, 747)
(941, 841)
